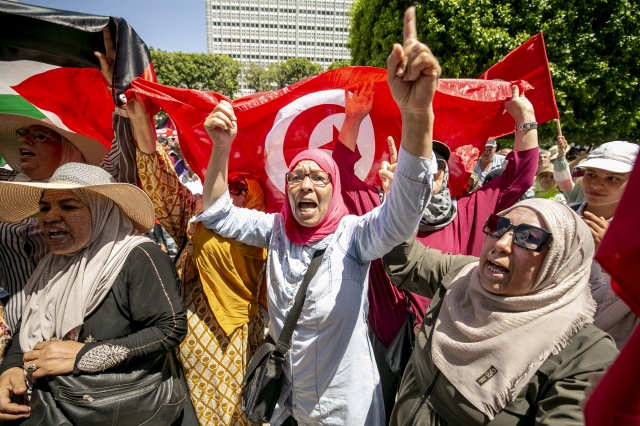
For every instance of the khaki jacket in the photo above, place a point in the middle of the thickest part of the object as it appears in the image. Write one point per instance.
(426, 397)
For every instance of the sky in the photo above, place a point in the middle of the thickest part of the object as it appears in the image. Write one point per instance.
(170, 25)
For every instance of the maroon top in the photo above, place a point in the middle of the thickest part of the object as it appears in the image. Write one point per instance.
(464, 234)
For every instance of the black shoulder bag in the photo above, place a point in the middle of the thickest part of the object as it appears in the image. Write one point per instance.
(399, 351)
(263, 380)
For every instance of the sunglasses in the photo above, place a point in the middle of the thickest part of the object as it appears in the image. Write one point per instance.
(318, 178)
(38, 135)
(237, 188)
(528, 237)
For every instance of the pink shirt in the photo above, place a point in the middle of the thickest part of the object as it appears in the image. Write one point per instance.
(464, 234)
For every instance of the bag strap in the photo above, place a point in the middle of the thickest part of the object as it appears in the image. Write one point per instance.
(284, 341)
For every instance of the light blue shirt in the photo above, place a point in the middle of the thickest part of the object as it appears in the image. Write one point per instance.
(331, 375)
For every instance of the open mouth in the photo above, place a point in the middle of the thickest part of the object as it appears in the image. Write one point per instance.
(55, 235)
(307, 207)
(496, 269)
(26, 153)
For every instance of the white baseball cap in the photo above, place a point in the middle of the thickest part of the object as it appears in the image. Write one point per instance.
(616, 156)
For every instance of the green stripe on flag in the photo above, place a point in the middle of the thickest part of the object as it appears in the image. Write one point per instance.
(16, 104)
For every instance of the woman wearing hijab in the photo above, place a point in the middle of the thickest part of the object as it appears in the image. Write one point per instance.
(546, 187)
(34, 149)
(508, 338)
(451, 224)
(221, 279)
(330, 373)
(105, 300)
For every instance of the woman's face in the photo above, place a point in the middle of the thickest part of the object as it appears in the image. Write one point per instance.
(309, 203)
(65, 221)
(505, 268)
(602, 187)
(546, 180)
(40, 151)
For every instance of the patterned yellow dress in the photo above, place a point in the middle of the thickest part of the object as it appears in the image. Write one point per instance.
(220, 285)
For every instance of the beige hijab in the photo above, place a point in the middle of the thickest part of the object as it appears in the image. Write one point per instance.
(64, 289)
(500, 341)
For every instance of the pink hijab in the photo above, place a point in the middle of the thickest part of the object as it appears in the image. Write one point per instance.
(337, 210)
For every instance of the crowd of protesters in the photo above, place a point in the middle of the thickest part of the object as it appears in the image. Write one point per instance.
(509, 316)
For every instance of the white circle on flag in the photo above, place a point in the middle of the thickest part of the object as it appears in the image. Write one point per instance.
(275, 164)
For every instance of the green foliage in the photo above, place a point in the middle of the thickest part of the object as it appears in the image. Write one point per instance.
(593, 48)
(293, 70)
(339, 64)
(257, 77)
(200, 71)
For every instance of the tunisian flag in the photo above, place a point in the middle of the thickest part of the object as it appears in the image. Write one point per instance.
(616, 400)
(48, 69)
(273, 127)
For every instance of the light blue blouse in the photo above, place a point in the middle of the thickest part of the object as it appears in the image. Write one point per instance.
(331, 375)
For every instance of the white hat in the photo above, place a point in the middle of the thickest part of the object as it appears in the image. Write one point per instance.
(20, 199)
(491, 142)
(91, 149)
(616, 156)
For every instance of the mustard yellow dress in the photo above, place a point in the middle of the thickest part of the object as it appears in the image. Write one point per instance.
(220, 285)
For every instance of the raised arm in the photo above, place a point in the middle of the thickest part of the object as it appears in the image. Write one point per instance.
(221, 125)
(412, 74)
(561, 170)
(521, 109)
(356, 109)
(143, 131)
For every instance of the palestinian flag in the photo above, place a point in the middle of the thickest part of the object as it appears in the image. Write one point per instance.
(48, 69)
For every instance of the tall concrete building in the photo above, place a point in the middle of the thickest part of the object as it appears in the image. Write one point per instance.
(266, 31)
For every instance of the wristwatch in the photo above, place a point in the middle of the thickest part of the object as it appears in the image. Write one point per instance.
(527, 126)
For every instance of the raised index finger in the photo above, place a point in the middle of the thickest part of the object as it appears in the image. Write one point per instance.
(410, 31)
(393, 152)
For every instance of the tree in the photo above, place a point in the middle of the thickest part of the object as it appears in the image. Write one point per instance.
(293, 70)
(339, 64)
(200, 71)
(592, 45)
(257, 77)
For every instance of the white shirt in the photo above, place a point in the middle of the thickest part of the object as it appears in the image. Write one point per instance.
(331, 375)
(498, 161)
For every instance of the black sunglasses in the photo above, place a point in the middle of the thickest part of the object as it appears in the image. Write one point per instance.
(528, 237)
(237, 188)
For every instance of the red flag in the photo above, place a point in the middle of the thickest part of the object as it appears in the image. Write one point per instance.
(274, 126)
(528, 62)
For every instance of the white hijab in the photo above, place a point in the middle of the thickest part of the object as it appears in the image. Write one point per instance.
(65, 289)
(501, 341)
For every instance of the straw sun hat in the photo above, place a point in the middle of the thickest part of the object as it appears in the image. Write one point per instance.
(91, 149)
(20, 199)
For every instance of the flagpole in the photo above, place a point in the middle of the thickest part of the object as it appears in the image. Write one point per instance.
(558, 127)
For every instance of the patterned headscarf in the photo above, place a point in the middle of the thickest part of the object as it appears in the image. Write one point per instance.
(442, 208)
(337, 210)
